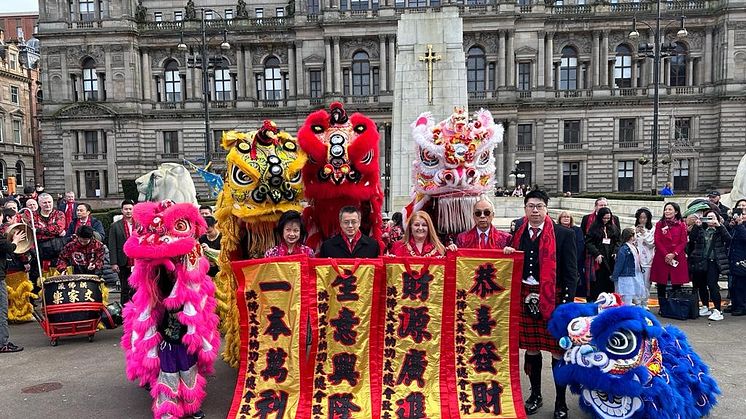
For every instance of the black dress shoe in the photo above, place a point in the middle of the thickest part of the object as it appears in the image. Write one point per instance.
(560, 413)
(533, 403)
(728, 309)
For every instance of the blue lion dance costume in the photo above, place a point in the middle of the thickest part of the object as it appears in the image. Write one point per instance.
(624, 364)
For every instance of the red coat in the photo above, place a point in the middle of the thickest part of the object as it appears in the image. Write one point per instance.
(496, 239)
(400, 249)
(670, 240)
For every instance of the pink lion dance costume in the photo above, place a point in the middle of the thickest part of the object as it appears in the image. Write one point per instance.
(171, 334)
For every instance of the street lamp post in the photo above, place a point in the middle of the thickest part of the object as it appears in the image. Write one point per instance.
(224, 46)
(657, 55)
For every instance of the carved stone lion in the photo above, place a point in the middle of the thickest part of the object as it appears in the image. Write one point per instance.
(169, 181)
(739, 186)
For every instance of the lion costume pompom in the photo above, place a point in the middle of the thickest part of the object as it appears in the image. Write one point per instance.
(342, 170)
(263, 181)
(455, 165)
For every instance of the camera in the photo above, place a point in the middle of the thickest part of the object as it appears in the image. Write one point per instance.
(706, 219)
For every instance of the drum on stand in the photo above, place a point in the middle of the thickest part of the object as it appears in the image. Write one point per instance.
(71, 292)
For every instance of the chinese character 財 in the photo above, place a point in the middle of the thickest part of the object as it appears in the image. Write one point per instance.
(416, 287)
(487, 399)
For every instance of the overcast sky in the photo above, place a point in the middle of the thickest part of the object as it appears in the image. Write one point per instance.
(10, 6)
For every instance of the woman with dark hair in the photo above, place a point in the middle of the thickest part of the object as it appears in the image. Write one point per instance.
(669, 261)
(645, 242)
(565, 220)
(708, 259)
(393, 231)
(210, 243)
(291, 235)
(602, 243)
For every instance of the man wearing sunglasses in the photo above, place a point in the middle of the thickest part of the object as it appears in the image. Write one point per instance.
(484, 235)
(549, 278)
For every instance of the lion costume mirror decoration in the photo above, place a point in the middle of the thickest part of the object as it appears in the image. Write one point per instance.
(263, 180)
(455, 165)
(342, 169)
(170, 181)
(624, 364)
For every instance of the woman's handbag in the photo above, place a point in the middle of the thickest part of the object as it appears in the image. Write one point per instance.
(681, 304)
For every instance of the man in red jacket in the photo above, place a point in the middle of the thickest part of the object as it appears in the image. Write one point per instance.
(484, 235)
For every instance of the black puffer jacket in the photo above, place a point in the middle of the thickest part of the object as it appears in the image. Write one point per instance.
(696, 247)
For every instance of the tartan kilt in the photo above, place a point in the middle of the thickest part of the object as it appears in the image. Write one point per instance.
(534, 333)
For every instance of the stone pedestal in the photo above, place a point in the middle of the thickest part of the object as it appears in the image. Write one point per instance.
(444, 31)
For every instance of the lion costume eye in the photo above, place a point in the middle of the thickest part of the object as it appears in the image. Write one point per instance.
(240, 177)
(428, 159)
(182, 226)
(317, 129)
(622, 342)
(484, 158)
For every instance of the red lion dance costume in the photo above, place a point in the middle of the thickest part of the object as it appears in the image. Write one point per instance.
(170, 327)
(342, 169)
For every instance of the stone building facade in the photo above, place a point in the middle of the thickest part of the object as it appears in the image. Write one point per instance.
(575, 93)
(18, 115)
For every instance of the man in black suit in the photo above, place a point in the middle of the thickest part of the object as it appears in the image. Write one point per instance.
(351, 242)
(546, 245)
(119, 232)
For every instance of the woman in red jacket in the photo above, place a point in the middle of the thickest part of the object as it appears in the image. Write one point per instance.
(420, 238)
(669, 262)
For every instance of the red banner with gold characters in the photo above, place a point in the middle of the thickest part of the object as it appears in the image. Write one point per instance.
(345, 322)
(273, 381)
(392, 338)
(485, 306)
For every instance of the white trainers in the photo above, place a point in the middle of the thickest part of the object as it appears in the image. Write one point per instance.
(716, 316)
(704, 311)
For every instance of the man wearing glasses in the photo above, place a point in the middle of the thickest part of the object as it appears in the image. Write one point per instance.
(350, 242)
(549, 278)
(484, 235)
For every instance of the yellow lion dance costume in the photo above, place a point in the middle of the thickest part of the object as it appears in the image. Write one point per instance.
(20, 291)
(263, 181)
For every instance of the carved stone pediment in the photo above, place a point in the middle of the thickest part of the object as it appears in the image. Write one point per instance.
(313, 59)
(75, 55)
(85, 109)
(526, 52)
(351, 46)
(486, 40)
(260, 52)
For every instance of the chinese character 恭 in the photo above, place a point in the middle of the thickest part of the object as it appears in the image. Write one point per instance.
(483, 356)
(277, 325)
(343, 326)
(413, 322)
(484, 281)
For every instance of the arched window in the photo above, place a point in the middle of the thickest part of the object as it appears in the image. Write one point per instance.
(173, 82)
(222, 81)
(90, 80)
(272, 79)
(20, 174)
(623, 67)
(360, 74)
(475, 72)
(678, 65)
(569, 69)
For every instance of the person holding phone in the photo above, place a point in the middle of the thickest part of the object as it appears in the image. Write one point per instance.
(707, 250)
(738, 263)
(669, 261)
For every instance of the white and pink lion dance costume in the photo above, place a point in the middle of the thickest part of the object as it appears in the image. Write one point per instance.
(171, 334)
(455, 165)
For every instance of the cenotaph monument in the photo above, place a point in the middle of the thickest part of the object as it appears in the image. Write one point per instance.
(430, 76)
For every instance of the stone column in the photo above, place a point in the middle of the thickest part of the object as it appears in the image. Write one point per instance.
(541, 66)
(382, 64)
(689, 71)
(241, 90)
(634, 74)
(328, 65)
(391, 50)
(604, 61)
(291, 71)
(300, 74)
(146, 76)
(337, 67)
(707, 59)
(101, 80)
(108, 75)
(549, 60)
(581, 80)
(558, 76)
(510, 76)
(595, 59)
(501, 58)
(250, 78)
(666, 76)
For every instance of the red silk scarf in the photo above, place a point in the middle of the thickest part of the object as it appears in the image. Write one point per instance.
(547, 264)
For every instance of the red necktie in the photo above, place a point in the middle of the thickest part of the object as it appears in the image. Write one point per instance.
(535, 231)
(484, 240)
